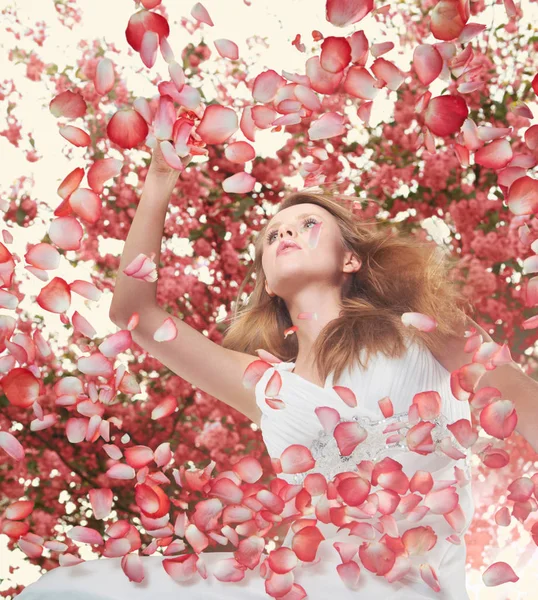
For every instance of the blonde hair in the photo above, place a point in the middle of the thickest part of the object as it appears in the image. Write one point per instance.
(398, 274)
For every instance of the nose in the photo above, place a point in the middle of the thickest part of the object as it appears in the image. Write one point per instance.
(286, 229)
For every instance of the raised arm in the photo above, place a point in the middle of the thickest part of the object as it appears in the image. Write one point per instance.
(145, 236)
(191, 355)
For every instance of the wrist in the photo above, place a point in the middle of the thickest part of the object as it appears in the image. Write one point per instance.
(163, 173)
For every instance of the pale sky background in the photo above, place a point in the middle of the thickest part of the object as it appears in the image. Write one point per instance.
(277, 20)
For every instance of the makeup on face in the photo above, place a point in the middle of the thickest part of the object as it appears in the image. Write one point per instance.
(287, 245)
(312, 219)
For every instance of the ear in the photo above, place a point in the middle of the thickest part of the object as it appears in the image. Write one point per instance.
(351, 262)
(268, 289)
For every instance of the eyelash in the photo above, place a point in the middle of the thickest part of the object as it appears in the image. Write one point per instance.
(305, 221)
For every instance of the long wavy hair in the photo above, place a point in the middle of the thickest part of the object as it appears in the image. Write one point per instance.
(398, 274)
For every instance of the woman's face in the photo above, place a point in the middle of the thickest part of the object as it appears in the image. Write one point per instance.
(318, 261)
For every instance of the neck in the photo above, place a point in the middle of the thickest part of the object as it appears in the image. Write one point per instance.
(310, 313)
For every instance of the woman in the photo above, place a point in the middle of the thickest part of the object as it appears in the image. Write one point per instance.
(338, 386)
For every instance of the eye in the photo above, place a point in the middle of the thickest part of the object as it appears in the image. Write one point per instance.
(269, 236)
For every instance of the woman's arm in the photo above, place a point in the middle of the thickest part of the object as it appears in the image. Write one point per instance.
(509, 379)
(145, 236)
(191, 355)
(515, 385)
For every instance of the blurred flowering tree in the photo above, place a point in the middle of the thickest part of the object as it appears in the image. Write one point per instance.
(464, 156)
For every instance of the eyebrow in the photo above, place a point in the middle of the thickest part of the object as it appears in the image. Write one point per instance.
(306, 214)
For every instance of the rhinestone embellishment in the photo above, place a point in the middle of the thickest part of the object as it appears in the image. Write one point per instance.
(329, 461)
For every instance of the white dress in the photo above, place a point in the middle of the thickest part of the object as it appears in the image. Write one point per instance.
(400, 379)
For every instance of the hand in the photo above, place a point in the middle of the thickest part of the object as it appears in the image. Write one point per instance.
(159, 165)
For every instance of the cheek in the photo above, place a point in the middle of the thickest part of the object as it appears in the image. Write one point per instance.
(315, 236)
(329, 249)
(265, 267)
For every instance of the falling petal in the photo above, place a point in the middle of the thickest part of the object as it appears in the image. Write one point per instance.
(347, 395)
(104, 76)
(387, 73)
(142, 21)
(381, 48)
(531, 137)
(520, 109)
(86, 204)
(149, 48)
(348, 435)
(102, 170)
(239, 152)
(495, 155)
(240, 183)
(445, 114)
(354, 490)
(266, 85)
(101, 502)
(296, 458)
(499, 418)
(141, 105)
(55, 296)
(521, 489)
(427, 63)
(164, 409)
(11, 445)
(127, 128)
(327, 126)
(166, 50)
(523, 196)
(428, 574)
(335, 54)
(498, 573)
(200, 13)
(165, 118)
(419, 540)
(177, 75)
(359, 48)
(181, 568)
(217, 125)
(66, 233)
(131, 563)
(442, 501)
(463, 432)
(75, 135)
(115, 343)
(419, 321)
(422, 482)
(166, 332)
(305, 543)
(227, 48)
(43, 256)
(71, 182)
(446, 21)
(263, 116)
(86, 535)
(360, 84)
(68, 104)
(429, 405)
(170, 156)
(142, 267)
(322, 81)
(346, 12)
(377, 557)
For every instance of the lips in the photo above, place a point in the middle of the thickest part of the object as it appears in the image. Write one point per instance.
(285, 245)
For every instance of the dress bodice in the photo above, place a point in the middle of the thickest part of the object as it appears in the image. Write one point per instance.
(400, 378)
(416, 370)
